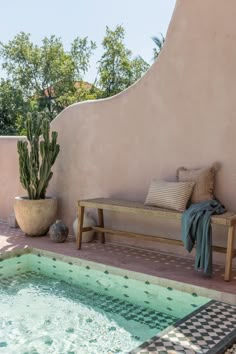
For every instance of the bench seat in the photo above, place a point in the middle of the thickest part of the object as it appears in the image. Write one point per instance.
(227, 219)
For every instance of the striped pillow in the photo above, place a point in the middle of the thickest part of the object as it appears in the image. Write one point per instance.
(169, 195)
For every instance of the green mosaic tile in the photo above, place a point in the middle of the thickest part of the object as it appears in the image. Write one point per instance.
(70, 330)
(194, 294)
(48, 341)
(106, 272)
(136, 337)
(126, 277)
(3, 344)
(111, 329)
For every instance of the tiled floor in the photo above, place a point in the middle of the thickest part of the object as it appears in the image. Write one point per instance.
(149, 262)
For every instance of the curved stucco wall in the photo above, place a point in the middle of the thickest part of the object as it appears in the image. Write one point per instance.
(181, 113)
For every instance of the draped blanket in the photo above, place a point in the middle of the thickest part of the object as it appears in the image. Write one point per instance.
(196, 228)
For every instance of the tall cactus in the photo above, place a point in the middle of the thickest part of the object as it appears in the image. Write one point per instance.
(37, 156)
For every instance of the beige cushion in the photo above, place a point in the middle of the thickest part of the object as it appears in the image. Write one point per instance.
(169, 195)
(204, 182)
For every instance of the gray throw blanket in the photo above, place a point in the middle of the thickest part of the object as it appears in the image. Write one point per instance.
(196, 227)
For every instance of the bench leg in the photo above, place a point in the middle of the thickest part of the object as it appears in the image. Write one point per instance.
(229, 254)
(80, 227)
(101, 224)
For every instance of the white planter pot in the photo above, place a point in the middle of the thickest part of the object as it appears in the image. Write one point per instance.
(34, 217)
(12, 221)
(88, 221)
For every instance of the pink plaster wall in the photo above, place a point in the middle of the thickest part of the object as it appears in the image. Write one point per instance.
(9, 175)
(181, 113)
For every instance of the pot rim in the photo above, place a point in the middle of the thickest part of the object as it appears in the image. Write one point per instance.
(35, 200)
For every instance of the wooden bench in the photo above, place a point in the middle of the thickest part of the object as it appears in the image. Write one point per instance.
(227, 219)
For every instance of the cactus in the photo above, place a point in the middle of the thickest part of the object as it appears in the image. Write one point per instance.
(37, 156)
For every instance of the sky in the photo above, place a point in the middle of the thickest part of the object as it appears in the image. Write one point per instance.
(142, 19)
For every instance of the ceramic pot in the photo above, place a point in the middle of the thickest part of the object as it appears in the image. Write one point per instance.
(88, 221)
(34, 217)
(58, 232)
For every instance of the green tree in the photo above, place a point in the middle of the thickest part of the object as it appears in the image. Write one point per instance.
(138, 67)
(46, 74)
(117, 70)
(12, 108)
(159, 42)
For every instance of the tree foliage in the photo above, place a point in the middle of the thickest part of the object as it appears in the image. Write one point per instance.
(117, 70)
(12, 108)
(159, 42)
(46, 74)
(47, 78)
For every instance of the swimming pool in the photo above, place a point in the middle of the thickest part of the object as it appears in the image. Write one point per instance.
(55, 305)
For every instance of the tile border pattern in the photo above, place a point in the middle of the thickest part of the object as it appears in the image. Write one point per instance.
(211, 329)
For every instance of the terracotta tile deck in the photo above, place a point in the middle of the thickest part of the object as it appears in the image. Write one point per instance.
(144, 261)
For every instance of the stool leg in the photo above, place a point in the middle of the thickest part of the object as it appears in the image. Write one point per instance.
(229, 254)
(80, 226)
(101, 224)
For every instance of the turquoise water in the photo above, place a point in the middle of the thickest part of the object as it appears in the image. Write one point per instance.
(50, 306)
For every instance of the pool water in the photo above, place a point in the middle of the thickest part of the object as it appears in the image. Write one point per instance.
(53, 306)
